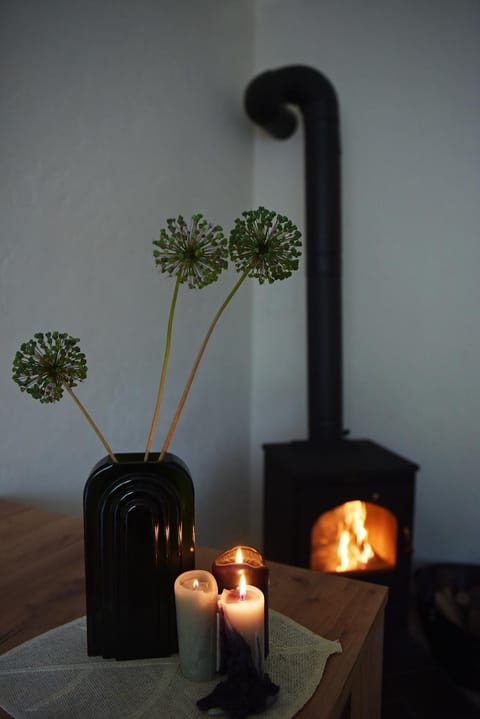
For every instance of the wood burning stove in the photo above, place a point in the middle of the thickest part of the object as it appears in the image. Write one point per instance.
(311, 488)
(304, 483)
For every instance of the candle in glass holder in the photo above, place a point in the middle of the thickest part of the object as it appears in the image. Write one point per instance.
(240, 561)
(243, 611)
(196, 603)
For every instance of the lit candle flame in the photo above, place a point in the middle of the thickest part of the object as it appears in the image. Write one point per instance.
(242, 590)
(239, 556)
(195, 584)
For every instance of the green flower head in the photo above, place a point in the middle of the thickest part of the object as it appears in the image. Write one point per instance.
(265, 244)
(194, 254)
(46, 363)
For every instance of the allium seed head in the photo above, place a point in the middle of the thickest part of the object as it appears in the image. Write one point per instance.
(265, 244)
(46, 363)
(195, 254)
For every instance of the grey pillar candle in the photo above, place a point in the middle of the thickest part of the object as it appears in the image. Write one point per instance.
(196, 597)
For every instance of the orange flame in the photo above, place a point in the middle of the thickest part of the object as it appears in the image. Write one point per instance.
(354, 550)
(242, 590)
(195, 584)
(239, 556)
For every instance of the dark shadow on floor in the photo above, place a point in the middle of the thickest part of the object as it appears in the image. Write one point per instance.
(416, 688)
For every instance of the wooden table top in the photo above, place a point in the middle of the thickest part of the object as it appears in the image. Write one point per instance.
(42, 586)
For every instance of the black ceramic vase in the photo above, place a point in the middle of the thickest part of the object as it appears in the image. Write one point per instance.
(139, 536)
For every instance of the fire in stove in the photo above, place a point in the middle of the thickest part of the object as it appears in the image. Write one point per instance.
(354, 550)
(357, 536)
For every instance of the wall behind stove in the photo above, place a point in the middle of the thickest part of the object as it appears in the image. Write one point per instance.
(118, 114)
(407, 78)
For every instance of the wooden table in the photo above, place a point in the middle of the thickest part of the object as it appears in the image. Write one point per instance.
(42, 586)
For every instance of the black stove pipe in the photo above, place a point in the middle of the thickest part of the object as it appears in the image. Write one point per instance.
(266, 102)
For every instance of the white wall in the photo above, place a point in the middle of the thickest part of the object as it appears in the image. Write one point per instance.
(407, 78)
(115, 116)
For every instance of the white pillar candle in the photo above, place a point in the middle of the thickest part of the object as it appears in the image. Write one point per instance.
(196, 599)
(243, 608)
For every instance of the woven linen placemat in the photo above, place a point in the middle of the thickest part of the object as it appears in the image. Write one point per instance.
(51, 677)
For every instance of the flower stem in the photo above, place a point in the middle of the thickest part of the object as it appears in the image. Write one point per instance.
(163, 375)
(198, 358)
(90, 422)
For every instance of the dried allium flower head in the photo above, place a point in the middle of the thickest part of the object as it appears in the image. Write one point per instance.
(194, 254)
(47, 363)
(265, 245)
